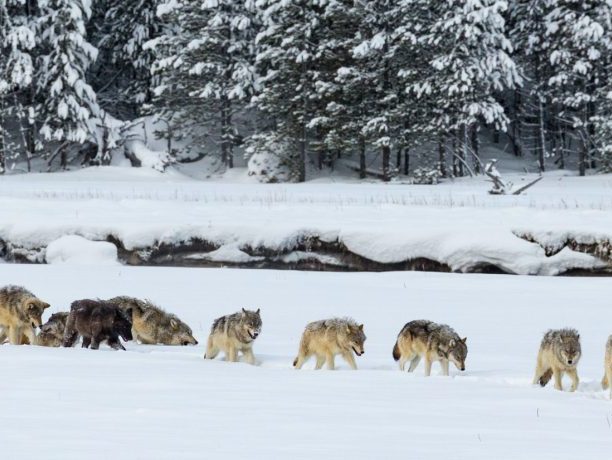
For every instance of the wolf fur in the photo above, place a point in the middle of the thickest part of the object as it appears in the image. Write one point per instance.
(431, 341)
(234, 333)
(152, 325)
(52, 332)
(20, 314)
(559, 354)
(330, 337)
(97, 321)
(606, 382)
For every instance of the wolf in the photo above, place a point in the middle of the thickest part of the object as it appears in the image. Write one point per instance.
(559, 354)
(97, 321)
(606, 382)
(434, 342)
(52, 332)
(151, 324)
(234, 333)
(330, 337)
(20, 314)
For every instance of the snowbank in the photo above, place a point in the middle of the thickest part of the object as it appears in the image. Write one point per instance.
(177, 221)
(76, 250)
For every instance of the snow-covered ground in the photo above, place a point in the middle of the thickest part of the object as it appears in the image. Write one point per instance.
(155, 402)
(456, 223)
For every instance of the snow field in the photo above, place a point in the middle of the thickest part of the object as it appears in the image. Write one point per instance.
(159, 402)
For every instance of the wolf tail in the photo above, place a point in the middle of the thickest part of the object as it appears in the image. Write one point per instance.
(546, 376)
(396, 352)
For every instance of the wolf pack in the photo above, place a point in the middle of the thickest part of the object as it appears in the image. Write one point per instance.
(128, 318)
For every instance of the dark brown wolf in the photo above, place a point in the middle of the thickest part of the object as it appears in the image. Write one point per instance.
(97, 321)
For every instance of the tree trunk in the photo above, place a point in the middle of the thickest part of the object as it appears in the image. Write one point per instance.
(63, 158)
(2, 153)
(406, 161)
(516, 126)
(475, 148)
(386, 156)
(541, 136)
(590, 132)
(225, 134)
(362, 157)
(398, 159)
(457, 152)
(441, 157)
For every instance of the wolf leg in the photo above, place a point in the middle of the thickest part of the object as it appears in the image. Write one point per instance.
(414, 363)
(114, 342)
(402, 362)
(30, 334)
(330, 361)
(573, 374)
(86, 342)
(428, 363)
(232, 354)
(15, 335)
(249, 357)
(558, 376)
(350, 359)
(70, 333)
(444, 366)
(95, 344)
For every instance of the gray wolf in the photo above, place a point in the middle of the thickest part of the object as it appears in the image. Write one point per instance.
(20, 314)
(606, 382)
(330, 337)
(434, 342)
(97, 321)
(559, 354)
(234, 333)
(151, 324)
(52, 332)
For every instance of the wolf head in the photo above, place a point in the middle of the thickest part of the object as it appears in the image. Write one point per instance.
(457, 352)
(123, 323)
(356, 338)
(34, 309)
(568, 349)
(52, 332)
(181, 333)
(250, 322)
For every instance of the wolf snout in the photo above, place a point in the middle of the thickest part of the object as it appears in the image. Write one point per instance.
(462, 368)
(569, 361)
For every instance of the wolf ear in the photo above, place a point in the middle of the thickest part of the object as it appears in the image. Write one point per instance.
(258, 310)
(464, 339)
(361, 327)
(46, 305)
(452, 343)
(243, 312)
(173, 323)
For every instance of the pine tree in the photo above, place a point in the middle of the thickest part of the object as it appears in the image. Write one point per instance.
(122, 77)
(287, 63)
(70, 105)
(467, 61)
(206, 71)
(578, 54)
(17, 45)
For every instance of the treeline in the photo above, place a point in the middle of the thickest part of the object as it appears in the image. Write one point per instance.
(308, 81)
